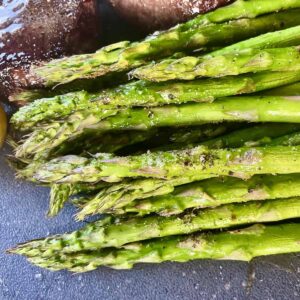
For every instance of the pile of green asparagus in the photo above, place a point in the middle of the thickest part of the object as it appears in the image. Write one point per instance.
(188, 142)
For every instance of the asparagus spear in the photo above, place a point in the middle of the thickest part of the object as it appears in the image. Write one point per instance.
(122, 194)
(171, 138)
(239, 244)
(214, 192)
(51, 108)
(205, 30)
(117, 233)
(147, 94)
(198, 161)
(23, 96)
(278, 39)
(250, 108)
(61, 193)
(234, 63)
(128, 141)
(183, 68)
(195, 134)
(111, 142)
(53, 135)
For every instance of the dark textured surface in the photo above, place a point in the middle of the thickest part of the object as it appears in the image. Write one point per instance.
(22, 214)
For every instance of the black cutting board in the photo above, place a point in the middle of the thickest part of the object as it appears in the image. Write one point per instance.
(22, 217)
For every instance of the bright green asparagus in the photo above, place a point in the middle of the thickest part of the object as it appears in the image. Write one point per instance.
(206, 30)
(111, 142)
(126, 197)
(117, 233)
(283, 38)
(239, 244)
(214, 192)
(122, 194)
(234, 63)
(53, 135)
(147, 94)
(183, 68)
(61, 193)
(199, 161)
(246, 108)
(278, 39)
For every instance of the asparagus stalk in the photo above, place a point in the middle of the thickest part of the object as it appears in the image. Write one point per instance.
(117, 233)
(183, 68)
(53, 135)
(206, 30)
(234, 63)
(23, 96)
(55, 139)
(247, 108)
(120, 195)
(171, 138)
(187, 135)
(239, 244)
(123, 141)
(50, 108)
(198, 161)
(61, 193)
(215, 192)
(147, 94)
(278, 39)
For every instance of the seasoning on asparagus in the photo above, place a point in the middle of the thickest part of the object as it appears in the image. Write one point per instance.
(240, 244)
(147, 94)
(214, 192)
(278, 39)
(234, 63)
(122, 194)
(212, 29)
(116, 233)
(246, 108)
(199, 161)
